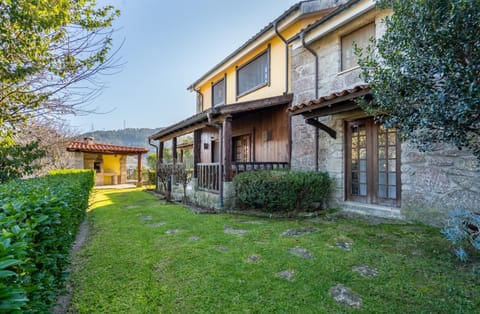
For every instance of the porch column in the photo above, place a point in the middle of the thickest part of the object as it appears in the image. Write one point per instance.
(197, 143)
(160, 153)
(227, 146)
(139, 170)
(174, 150)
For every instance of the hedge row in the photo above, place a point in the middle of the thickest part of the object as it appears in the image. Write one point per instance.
(39, 219)
(281, 191)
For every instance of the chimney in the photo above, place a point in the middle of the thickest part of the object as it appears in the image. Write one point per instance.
(88, 140)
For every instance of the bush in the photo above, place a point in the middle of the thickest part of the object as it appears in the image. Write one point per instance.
(281, 191)
(463, 231)
(39, 218)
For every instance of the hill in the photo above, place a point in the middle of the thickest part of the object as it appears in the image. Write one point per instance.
(125, 137)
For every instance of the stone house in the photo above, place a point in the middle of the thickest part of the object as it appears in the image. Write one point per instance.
(241, 121)
(374, 172)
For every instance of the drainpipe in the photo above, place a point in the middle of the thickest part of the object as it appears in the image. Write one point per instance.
(199, 94)
(156, 163)
(220, 172)
(275, 26)
(315, 55)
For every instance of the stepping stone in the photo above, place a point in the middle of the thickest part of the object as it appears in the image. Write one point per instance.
(172, 231)
(146, 218)
(346, 296)
(347, 246)
(253, 258)
(234, 231)
(193, 239)
(299, 232)
(365, 271)
(301, 252)
(158, 224)
(221, 248)
(129, 207)
(288, 274)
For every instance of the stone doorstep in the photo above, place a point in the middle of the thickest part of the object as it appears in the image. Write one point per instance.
(372, 210)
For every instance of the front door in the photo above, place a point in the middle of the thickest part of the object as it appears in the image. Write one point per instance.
(241, 148)
(372, 163)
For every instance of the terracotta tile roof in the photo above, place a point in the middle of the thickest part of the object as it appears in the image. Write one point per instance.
(80, 146)
(330, 99)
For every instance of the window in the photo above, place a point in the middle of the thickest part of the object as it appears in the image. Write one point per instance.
(361, 37)
(218, 93)
(254, 74)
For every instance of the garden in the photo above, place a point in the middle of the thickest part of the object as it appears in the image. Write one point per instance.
(144, 255)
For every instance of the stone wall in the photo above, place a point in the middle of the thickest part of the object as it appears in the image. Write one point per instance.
(438, 181)
(206, 199)
(433, 183)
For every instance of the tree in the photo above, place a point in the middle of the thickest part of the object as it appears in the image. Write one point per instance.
(424, 72)
(50, 55)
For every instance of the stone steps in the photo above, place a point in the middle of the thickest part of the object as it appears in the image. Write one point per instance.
(372, 210)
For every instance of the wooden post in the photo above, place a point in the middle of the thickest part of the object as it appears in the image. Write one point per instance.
(197, 143)
(174, 150)
(160, 153)
(139, 170)
(227, 147)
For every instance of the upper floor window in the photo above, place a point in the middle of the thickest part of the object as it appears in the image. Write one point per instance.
(254, 74)
(361, 37)
(218, 93)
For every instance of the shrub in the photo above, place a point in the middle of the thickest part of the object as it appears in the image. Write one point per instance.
(463, 230)
(285, 191)
(39, 218)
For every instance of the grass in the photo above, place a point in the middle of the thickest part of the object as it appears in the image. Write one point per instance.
(129, 266)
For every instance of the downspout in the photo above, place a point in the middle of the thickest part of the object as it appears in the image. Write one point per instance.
(220, 172)
(275, 26)
(309, 49)
(199, 94)
(156, 163)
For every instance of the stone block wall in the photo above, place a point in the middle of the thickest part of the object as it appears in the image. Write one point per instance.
(435, 182)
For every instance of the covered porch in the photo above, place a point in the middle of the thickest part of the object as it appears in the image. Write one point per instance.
(231, 139)
(108, 161)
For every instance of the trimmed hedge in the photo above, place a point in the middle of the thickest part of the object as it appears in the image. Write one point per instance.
(281, 191)
(39, 219)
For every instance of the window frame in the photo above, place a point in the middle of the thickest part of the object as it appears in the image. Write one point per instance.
(224, 100)
(263, 84)
(342, 62)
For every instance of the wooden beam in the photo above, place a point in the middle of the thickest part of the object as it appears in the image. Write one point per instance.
(227, 147)
(174, 150)
(139, 170)
(160, 153)
(322, 126)
(197, 143)
(182, 131)
(331, 109)
(247, 106)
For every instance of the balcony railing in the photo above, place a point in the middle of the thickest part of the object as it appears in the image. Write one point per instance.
(208, 173)
(239, 167)
(208, 176)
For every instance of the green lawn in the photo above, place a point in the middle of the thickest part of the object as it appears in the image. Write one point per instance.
(130, 266)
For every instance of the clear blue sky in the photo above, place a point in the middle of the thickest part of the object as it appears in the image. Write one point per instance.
(169, 45)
